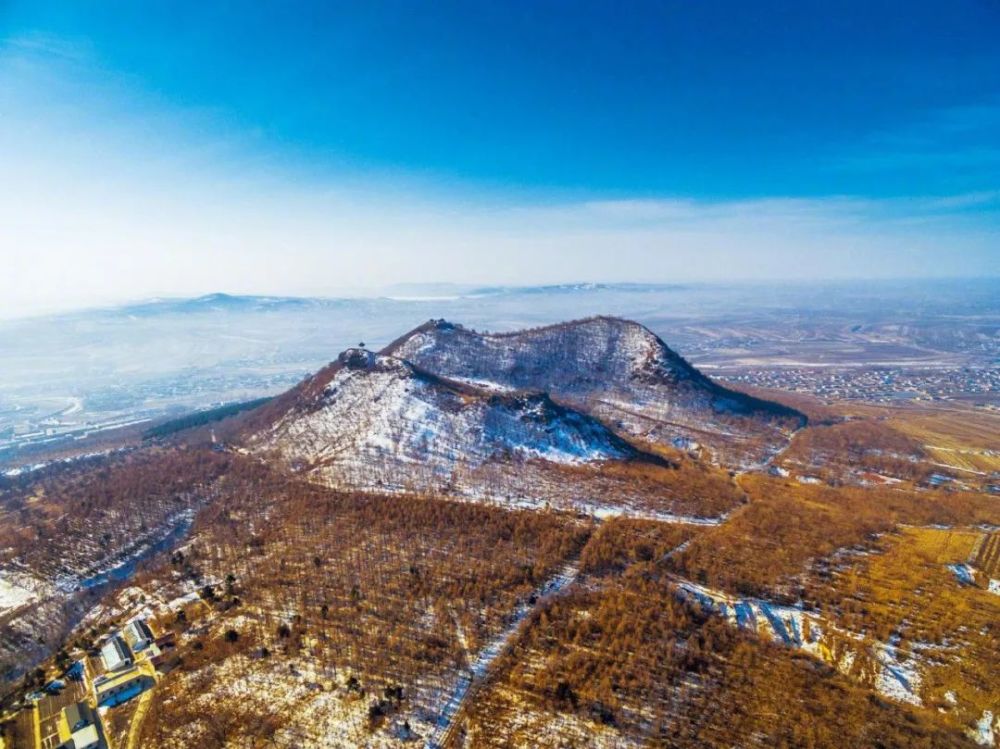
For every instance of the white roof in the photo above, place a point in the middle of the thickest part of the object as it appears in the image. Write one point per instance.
(135, 635)
(115, 654)
(86, 737)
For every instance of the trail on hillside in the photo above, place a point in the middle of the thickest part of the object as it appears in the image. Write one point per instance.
(480, 667)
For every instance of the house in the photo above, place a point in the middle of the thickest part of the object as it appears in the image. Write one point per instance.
(115, 688)
(116, 654)
(137, 634)
(79, 727)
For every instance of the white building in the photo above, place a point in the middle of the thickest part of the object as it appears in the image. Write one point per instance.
(116, 654)
(137, 634)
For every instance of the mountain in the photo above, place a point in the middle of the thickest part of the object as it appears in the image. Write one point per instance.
(377, 422)
(577, 415)
(615, 370)
(370, 560)
(218, 303)
(577, 288)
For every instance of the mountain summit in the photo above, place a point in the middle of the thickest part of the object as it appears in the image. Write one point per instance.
(617, 371)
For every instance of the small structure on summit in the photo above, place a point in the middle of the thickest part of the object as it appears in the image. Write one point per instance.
(357, 358)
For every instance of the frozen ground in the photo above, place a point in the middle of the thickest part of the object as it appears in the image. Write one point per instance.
(387, 413)
(964, 573)
(986, 730)
(615, 370)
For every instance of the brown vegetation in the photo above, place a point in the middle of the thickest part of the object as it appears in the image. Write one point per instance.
(765, 545)
(905, 593)
(988, 558)
(622, 542)
(857, 446)
(632, 659)
(377, 592)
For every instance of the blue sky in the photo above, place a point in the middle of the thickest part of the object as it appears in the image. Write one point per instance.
(295, 148)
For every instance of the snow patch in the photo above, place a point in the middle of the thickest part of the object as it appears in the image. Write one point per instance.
(985, 733)
(897, 677)
(16, 591)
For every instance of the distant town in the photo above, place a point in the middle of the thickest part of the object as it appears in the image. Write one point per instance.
(876, 384)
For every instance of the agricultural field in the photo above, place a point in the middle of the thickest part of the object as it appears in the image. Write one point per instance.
(763, 546)
(962, 439)
(988, 555)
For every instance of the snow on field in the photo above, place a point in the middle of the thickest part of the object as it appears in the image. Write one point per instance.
(176, 604)
(129, 602)
(489, 385)
(898, 678)
(605, 512)
(316, 706)
(122, 564)
(846, 663)
(32, 467)
(995, 587)
(485, 658)
(320, 711)
(27, 468)
(544, 729)
(787, 624)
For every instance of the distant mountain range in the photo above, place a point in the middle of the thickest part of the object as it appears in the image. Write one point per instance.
(968, 295)
(222, 302)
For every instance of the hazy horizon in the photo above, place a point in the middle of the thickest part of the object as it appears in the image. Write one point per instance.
(444, 291)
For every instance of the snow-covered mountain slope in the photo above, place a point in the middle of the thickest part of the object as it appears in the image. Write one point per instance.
(377, 421)
(613, 369)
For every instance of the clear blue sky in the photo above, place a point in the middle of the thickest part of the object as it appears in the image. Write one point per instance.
(672, 131)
